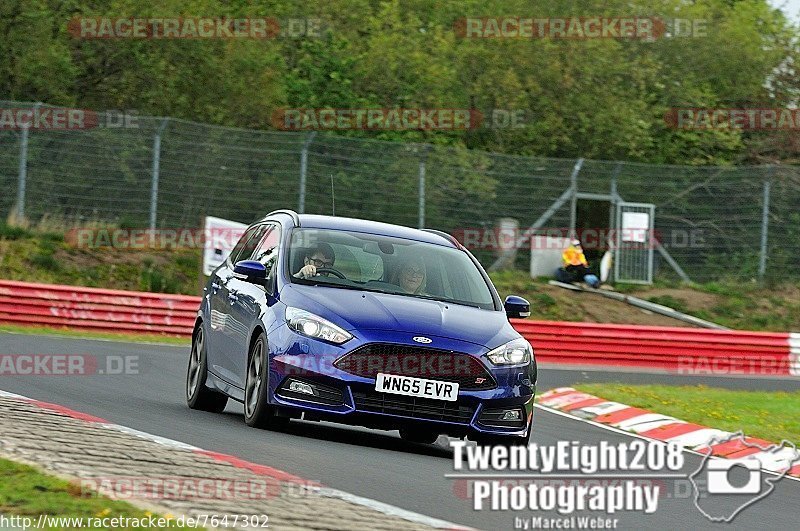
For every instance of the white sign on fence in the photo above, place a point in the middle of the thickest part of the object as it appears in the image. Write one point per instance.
(221, 236)
(635, 226)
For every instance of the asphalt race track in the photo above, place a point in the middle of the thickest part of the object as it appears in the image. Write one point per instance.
(372, 464)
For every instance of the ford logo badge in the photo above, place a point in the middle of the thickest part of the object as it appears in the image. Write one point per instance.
(422, 339)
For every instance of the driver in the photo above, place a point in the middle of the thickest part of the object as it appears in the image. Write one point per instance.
(321, 255)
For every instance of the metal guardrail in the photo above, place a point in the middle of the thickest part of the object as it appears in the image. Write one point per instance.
(673, 349)
(96, 309)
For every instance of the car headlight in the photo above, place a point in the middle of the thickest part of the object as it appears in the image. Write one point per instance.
(514, 352)
(308, 324)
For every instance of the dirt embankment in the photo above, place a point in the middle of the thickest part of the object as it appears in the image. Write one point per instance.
(735, 304)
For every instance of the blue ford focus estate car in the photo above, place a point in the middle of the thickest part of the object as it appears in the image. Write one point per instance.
(365, 323)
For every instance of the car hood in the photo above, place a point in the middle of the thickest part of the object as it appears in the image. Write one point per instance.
(364, 310)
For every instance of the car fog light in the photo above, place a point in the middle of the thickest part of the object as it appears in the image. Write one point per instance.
(511, 415)
(300, 387)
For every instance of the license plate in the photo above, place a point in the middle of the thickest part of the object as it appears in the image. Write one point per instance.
(410, 386)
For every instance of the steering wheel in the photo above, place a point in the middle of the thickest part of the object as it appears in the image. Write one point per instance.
(332, 271)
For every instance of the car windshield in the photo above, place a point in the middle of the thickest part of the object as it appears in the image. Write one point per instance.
(385, 264)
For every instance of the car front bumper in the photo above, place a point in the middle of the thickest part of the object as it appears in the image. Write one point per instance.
(351, 399)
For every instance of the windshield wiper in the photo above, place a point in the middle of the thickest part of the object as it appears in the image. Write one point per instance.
(313, 282)
(441, 299)
(361, 287)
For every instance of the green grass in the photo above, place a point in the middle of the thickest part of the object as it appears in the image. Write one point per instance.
(770, 415)
(739, 305)
(36, 256)
(25, 491)
(86, 334)
(11, 232)
(543, 305)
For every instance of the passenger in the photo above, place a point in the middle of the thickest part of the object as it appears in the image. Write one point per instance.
(410, 276)
(319, 256)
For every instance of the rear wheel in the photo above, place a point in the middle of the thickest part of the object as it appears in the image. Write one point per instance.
(258, 413)
(419, 436)
(198, 396)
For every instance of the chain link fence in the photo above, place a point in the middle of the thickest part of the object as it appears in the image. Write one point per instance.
(713, 222)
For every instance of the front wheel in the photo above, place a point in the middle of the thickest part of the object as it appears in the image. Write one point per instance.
(198, 396)
(258, 413)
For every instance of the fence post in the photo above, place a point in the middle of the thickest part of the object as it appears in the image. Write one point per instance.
(23, 172)
(301, 207)
(612, 209)
(421, 211)
(22, 175)
(573, 210)
(762, 259)
(155, 171)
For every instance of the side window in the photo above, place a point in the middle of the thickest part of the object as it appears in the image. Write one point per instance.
(268, 247)
(245, 246)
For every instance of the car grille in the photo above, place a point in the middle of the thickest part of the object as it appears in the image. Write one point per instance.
(406, 360)
(413, 407)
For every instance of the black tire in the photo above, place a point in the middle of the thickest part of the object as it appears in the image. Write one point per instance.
(198, 395)
(258, 413)
(418, 436)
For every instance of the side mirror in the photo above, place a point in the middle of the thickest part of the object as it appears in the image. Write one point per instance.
(517, 307)
(251, 271)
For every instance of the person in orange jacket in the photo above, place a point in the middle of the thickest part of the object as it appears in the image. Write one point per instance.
(575, 266)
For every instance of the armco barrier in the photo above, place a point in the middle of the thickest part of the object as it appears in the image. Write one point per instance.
(683, 350)
(82, 308)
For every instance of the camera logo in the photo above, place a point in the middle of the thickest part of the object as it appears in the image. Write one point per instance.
(723, 488)
(720, 477)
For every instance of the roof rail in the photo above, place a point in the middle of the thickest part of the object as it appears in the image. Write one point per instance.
(449, 237)
(288, 212)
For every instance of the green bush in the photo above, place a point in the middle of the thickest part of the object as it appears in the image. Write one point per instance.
(11, 232)
(45, 261)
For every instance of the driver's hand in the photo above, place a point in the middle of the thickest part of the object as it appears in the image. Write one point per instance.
(307, 271)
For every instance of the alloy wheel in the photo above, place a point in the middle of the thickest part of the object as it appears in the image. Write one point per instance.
(255, 378)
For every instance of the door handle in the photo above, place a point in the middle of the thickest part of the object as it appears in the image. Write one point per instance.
(233, 297)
